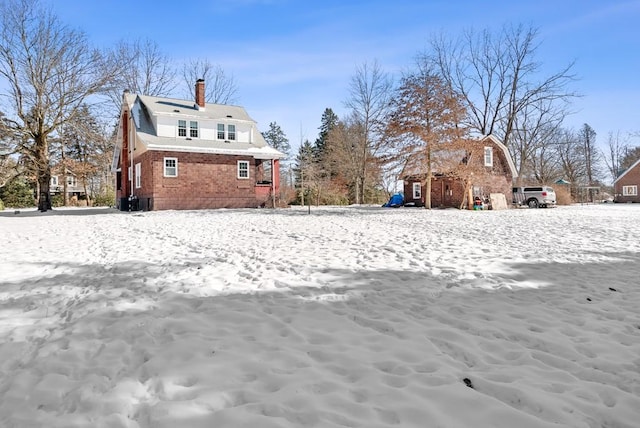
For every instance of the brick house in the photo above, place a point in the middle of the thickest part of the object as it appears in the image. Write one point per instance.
(626, 186)
(493, 173)
(177, 154)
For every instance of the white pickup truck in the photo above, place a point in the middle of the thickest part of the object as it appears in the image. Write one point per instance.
(534, 196)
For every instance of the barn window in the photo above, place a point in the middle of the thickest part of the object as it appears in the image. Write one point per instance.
(629, 190)
(417, 191)
(488, 156)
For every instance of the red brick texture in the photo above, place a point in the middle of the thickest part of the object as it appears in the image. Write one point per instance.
(203, 181)
(631, 178)
(450, 193)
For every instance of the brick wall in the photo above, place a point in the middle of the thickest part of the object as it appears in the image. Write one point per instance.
(631, 178)
(203, 181)
(450, 192)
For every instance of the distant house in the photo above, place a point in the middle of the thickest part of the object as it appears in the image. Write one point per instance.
(626, 185)
(178, 154)
(62, 178)
(494, 173)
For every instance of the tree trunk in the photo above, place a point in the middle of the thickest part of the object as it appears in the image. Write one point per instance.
(427, 196)
(44, 180)
(43, 173)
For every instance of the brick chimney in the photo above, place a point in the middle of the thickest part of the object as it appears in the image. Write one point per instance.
(200, 93)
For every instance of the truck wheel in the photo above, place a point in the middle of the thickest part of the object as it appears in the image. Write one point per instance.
(533, 203)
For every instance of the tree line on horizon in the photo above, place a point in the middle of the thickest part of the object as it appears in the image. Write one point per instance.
(64, 95)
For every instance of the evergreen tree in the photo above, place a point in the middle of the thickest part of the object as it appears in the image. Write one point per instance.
(327, 123)
(277, 139)
(17, 193)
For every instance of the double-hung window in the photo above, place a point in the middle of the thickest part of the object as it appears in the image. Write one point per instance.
(170, 167)
(182, 128)
(138, 176)
(629, 190)
(243, 169)
(417, 190)
(54, 180)
(488, 156)
(193, 129)
(231, 132)
(221, 131)
(71, 180)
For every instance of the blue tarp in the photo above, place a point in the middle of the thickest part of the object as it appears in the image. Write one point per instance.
(395, 201)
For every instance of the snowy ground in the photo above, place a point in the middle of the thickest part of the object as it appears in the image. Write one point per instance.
(347, 317)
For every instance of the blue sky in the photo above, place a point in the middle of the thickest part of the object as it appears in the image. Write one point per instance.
(292, 59)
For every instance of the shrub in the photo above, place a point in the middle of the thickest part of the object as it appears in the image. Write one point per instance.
(563, 195)
(106, 199)
(17, 193)
(1, 205)
(57, 201)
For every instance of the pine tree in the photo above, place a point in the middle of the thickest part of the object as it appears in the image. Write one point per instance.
(277, 139)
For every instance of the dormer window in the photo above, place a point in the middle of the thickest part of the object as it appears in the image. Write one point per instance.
(182, 128)
(221, 131)
(231, 132)
(193, 129)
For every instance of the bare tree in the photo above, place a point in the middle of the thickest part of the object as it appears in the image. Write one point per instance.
(532, 141)
(50, 71)
(427, 116)
(499, 78)
(143, 68)
(221, 87)
(84, 141)
(369, 95)
(590, 152)
(614, 154)
(569, 153)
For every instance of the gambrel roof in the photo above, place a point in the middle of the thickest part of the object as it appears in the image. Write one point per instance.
(415, 164)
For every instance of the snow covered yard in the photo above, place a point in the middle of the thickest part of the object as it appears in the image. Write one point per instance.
(347, 317)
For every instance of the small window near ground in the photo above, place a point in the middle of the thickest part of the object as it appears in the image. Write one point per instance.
(138, 176)
(170, 167)
(243, 169)
(182, 128)
(417, 191)
(232, 132)
(629, 190)
(193, 129)
(221, 131)
(488, 156)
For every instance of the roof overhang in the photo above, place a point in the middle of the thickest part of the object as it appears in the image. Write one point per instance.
(626, 171)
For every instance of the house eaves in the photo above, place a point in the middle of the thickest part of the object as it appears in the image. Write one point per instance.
(626, 171)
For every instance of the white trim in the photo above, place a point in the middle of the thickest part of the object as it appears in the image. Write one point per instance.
(244, 162)
(504, 149)
(630, 190)
(257, 152)
(164, 167)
